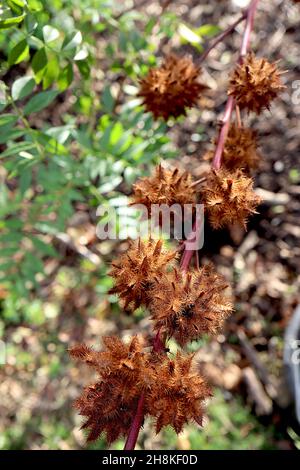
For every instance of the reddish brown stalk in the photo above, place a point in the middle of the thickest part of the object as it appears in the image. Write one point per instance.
(136, 425)
(216, 163)
(248, 29)
(188, 254)
(158, 346)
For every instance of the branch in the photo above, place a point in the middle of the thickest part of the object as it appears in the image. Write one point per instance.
(222, 36)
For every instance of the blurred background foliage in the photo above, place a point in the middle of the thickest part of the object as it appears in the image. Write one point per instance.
(74, 136)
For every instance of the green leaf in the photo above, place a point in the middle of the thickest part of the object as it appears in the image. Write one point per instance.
(40, 101)
(84, 68)
(35, 5)
(47, 227)
(81, 54)
(189, 35)
(39, 63)
(51, 72)
(108, 100)
(43, 247)
(15, 149)
(208, 30)
(31, 23)
(6, 119)
(72, 40)
(16, 6)
(22, 87)
(50, 34)
(18, 53)
(61, 133)
(65, 78)
(25, 180)
(111, 183)
(10, 134)
(10, 22)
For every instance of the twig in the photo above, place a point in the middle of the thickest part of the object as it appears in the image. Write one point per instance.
(253, 357)
(188, 253)
(222, 36)
(263, 404)
(249, 28)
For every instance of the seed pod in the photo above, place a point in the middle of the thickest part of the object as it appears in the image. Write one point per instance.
(179, 393)
(110, 403)
(168, 90)
(185, 305)
(229, 198)
(135, 271)
(240, 149)
(165, 187)
(255, 83)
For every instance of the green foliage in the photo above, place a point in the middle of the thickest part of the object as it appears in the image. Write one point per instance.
(100, 144)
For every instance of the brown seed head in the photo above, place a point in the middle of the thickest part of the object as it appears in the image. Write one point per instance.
(165, 187)
(170, 89)
(124, 372)
(240, 149)
(134, 272)
(229, 198)
(185, 305)
(178, 395)
(255, 83)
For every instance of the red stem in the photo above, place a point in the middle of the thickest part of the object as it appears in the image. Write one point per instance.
(136, 424)
(248, 29)
(216, 163)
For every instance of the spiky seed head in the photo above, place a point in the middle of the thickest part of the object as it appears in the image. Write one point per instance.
(228, 198)
(255, 83)
(173, 87)
(135, 270)
(186, 305)
(240, 151)
(179, 394)
(164, 187)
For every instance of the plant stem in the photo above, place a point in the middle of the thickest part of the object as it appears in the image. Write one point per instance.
(158, 346)
(248, 29)
(222, 36)
(216, 163)
(136, 424)
(188, 254)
